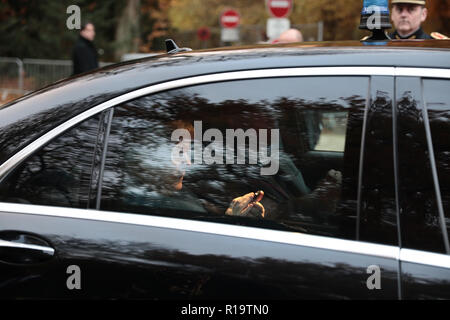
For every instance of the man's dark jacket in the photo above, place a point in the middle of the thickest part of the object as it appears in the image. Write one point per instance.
(419, 34)
(84, 56)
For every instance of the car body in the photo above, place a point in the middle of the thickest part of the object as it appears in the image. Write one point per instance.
(358, 208)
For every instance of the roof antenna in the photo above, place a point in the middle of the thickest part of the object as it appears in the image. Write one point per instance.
(171, 47)
(375, 17)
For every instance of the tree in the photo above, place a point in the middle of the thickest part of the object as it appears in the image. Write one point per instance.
(127, 32)
(341, 18)
(155, 24)
(37, 28)
(438, 17)
(24, 32)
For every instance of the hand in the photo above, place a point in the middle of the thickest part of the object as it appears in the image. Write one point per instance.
(247, 206)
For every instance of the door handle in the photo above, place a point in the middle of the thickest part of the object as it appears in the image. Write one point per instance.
(20, 248)
(10, 244)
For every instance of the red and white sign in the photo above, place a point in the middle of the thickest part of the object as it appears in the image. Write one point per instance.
(230, 19)
(279, 8)
(203, 33)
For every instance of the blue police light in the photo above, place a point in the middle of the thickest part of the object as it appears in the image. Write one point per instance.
(375, 15)
(374, 43)
(382, 5)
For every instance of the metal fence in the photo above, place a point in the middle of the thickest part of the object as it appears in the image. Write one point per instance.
(18, 77)
(11, 70)
(38, 72)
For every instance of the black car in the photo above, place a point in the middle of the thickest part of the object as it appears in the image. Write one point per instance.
(296, 171)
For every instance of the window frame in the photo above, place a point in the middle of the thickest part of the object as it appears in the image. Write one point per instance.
(359, 143)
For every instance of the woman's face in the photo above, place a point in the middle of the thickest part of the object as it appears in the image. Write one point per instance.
(162, 162)
(169, 172)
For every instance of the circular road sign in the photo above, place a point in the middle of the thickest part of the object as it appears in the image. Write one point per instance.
(230, 18)
(203, 33)
(279, 8)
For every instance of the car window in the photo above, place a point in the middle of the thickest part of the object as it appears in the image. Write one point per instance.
(202, 152)
(417, 196)
(59, 174)
(437, 99)
(333, 128)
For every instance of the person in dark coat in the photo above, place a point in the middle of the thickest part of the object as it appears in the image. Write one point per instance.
(84, 55)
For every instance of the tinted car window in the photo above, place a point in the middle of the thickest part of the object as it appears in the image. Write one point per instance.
(417, 196)
(59, 174)
(311, 128)
(378, 216)
(437, 99)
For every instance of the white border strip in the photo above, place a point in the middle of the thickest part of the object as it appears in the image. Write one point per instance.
(284, 237)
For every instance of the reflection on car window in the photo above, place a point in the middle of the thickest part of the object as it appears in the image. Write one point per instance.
(378, 206)
(417, 196)
(276, 153)
(437, 97)
(60, 173)
(331, 129)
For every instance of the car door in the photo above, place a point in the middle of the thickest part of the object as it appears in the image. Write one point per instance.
(54, 177)
(423, 149)
(135, 239)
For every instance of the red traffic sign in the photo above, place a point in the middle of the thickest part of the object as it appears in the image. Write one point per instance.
(203, 33)
(279, 8)
(230, 18)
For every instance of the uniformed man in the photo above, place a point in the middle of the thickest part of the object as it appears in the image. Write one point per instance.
(407, 17)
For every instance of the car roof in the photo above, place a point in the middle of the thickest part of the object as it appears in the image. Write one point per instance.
(397, 53)
(59, 102)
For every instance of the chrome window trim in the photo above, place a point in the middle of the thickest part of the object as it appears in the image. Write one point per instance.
(16, 159)
(425, 258)
(423, 72)
(251, 233)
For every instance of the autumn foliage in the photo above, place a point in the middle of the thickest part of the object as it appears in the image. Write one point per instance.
(36, 28)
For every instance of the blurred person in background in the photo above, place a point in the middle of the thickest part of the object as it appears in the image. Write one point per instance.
(84, 54)
(288, 36)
